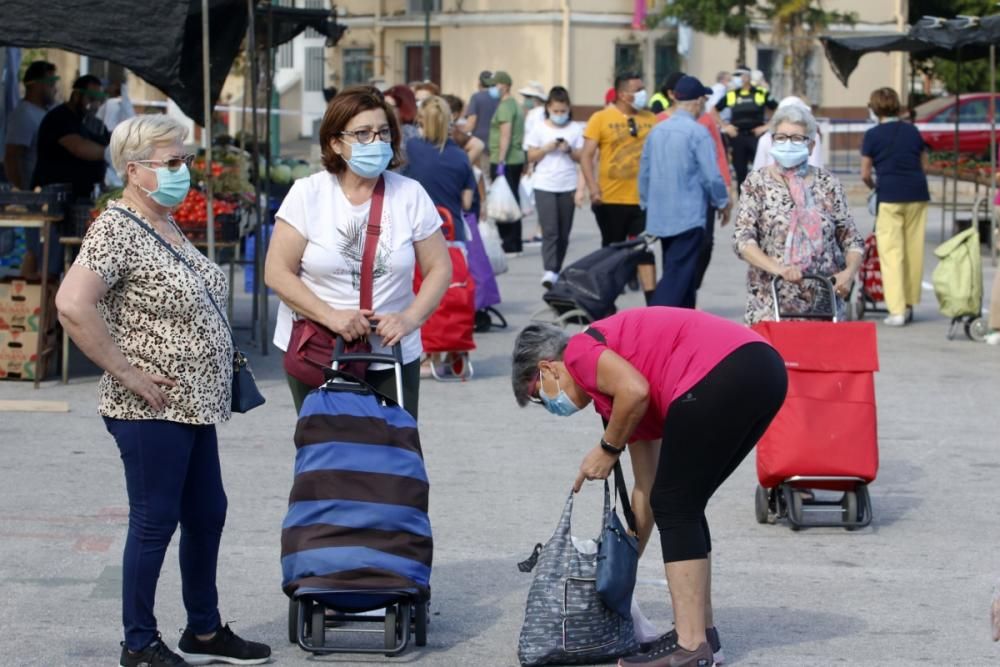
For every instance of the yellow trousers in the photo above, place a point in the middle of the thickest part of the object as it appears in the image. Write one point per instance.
(899, 232)
(995, 304)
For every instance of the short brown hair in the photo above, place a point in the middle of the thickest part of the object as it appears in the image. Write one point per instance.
(339, 113)
(429, 86)
(884, 102)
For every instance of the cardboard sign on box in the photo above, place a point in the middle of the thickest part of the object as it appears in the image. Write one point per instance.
(21, 305)
(18, 358)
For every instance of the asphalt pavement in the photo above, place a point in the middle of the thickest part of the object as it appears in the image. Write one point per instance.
(913, 588)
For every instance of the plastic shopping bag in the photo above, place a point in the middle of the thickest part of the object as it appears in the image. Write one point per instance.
(493, 245)
(501, 205)
(527, 191)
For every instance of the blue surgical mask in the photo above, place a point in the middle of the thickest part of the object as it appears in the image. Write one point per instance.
(559, 118)
(640, 99)
(370, 160)
(788, 155)
(561, 405)
(737, 81)
(495, 92)
(171, 186)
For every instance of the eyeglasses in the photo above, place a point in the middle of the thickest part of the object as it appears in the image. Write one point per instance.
(795, 139)
(367, 136)
(172, 163)
(633, 129)
(534, 390)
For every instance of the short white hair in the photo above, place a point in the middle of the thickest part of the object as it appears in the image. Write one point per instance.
(796, 115)
(136, 138)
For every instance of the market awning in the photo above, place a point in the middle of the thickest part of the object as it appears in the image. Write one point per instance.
(844, 51)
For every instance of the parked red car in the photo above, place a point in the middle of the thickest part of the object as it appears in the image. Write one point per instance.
(972, 108)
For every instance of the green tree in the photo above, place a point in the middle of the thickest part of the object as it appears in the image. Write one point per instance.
(733, 18)
(796, 25)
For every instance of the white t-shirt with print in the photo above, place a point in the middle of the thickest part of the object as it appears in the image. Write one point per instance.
(557, 171)
(334, 229)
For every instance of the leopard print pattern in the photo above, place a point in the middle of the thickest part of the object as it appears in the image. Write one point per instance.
(158, 314)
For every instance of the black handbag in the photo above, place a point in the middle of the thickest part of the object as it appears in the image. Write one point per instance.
(245, 395)
(618, 552)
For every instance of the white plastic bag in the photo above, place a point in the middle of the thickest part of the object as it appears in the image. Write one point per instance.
(501, 205)
(527, 191)
(493, 245)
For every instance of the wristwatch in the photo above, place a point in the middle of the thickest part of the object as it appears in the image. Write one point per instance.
(611, 449)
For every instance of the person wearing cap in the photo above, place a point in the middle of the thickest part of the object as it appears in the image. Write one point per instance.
(710, 121)
(763, 158)
(748, 105)
(72, 141)
(479, 112)
(21, 151)
(507, 156)
(679, 178)
(615, 135)
(534, 95)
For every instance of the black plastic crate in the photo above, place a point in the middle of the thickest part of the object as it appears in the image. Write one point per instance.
(50, 200)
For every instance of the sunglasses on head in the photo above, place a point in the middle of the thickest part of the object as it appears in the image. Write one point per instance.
(633, 129)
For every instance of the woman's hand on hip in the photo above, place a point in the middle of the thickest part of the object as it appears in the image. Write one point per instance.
(148, 387)
(393, 327)
(597, 464)
(350, 324)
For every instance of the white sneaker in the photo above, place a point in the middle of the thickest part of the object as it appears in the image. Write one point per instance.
(992, 338)
(549, 279)
(895, 321)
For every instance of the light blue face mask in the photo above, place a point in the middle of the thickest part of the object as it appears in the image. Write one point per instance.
(171, 186)
(495, 92)
(559, 118)
(561, 405)
(788, 155)
(370, 160)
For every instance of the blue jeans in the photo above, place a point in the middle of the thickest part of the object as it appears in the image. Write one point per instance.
(172, 476)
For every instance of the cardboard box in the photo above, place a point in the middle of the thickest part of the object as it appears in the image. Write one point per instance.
(21, 306)
(18, 355)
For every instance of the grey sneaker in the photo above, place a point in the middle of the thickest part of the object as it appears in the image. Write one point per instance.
(671, 655)
(711, 636)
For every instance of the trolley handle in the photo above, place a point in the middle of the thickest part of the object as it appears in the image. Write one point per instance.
(827, 283)
(395, 359)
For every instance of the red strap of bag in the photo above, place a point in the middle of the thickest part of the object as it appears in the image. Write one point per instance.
(372, 232)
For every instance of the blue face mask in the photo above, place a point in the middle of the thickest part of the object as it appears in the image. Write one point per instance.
(370, 160)
(561, 405)
(641, 97)
(788, 155)
(171, 186)
(559, 118)
(495, 92)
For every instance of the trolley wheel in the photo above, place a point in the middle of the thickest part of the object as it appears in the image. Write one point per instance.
(977, 329)
(293, 621)
(795, 511)
(318, 626)
(760, 504)
(391, 628)
(850, 504)
(420, 624)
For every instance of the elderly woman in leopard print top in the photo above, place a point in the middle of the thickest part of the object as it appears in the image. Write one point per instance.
(145, 318)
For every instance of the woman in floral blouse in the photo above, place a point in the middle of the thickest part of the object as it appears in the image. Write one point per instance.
(794, 219)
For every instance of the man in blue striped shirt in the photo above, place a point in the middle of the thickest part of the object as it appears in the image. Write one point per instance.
(678, 178)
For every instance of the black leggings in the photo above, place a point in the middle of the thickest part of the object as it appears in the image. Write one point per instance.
(708, 432)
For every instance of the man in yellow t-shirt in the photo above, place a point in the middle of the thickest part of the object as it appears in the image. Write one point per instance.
(617, 133)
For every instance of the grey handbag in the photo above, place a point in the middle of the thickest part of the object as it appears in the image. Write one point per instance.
(565, 621)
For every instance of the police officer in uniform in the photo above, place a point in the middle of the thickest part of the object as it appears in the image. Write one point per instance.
(747, 105)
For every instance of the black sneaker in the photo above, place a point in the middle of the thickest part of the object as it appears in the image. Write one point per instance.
(155, 655)
(225, 647)
(711, 635)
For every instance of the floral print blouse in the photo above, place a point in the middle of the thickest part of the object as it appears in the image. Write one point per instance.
(763, 219)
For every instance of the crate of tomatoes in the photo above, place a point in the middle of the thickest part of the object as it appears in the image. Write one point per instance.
(192, 216)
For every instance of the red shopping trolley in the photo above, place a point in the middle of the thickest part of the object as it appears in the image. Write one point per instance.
(824, 439)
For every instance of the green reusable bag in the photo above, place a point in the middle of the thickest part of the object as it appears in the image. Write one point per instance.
(958, 277)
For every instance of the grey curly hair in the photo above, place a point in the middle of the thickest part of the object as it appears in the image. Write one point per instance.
(536, 342)
(795, 115)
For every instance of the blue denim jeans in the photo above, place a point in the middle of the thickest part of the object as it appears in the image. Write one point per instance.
(172, 476)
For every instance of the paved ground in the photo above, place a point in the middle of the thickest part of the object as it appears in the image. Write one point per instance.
(913, 588)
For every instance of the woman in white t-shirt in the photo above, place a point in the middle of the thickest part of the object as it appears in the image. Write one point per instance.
(314, 259)
(554, 146)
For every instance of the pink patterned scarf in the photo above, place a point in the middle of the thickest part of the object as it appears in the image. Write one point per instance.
(804, 243)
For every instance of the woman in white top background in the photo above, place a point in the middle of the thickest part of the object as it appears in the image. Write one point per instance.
(314, 259)
(554, 146)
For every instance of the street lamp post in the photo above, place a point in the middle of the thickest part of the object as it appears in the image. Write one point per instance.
(427, 39)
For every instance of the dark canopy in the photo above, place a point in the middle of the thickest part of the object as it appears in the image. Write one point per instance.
(928, 38)
(160, 41)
